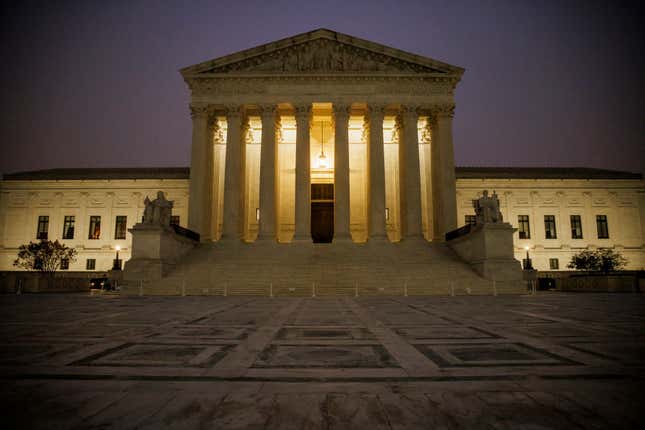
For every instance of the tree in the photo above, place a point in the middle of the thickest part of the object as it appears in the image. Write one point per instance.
(45, 256)
(600, 260)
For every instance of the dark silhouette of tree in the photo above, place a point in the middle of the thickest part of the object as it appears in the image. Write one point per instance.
(44, 256)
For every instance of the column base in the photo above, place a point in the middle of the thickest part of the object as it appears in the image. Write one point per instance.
(378, 238)
(342, 238)
(266, 238)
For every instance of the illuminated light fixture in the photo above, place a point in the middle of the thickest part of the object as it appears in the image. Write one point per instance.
(257, 214)
(116, 264)
(322, 159)
(387, 214)
(528, 264)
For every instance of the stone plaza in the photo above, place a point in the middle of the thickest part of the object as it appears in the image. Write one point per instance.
(545, 361)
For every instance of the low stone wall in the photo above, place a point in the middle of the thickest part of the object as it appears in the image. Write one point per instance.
(570, 281)
(35, 282)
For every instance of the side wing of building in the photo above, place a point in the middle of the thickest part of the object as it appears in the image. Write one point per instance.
(88, 209)
(560, 212)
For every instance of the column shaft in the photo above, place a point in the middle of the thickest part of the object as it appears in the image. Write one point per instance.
(341, 173)
(233, 175)
(410, 178)
(303, 174)
(268, 169)
(443, 173)
(201, 174)
(376, 174)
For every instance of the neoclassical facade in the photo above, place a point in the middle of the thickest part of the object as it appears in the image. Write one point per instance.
(323, 138)
(321, 127)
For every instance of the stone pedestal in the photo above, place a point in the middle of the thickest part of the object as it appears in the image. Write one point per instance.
(156, 250)
(488, 248)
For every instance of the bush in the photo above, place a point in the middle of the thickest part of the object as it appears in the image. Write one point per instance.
(601, 260)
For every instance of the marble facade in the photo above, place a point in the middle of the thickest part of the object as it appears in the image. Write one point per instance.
(323, 108)
(379, 107)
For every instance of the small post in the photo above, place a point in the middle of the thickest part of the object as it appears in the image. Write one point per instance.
(271, 289)
(405, 288)
(183, 287)
(452, 288)
(140, 288)
(19, 290)
(225, 289)
(494, 288)
(313, 289)
(356, 289)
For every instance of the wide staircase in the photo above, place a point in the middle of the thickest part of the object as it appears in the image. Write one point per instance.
(264, 268)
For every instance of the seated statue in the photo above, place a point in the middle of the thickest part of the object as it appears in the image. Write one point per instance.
(157, 211)
(487, 209)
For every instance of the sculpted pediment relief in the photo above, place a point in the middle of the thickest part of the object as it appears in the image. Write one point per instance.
(322, 51)
(322, 56)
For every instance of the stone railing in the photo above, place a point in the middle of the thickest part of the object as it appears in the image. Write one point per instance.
(461, 231)
(192, 235)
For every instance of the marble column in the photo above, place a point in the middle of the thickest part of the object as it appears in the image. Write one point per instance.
(233, 176)
(341, 173)
(268, 169)
(303, 174)
(443, 172)
(201, 174)
(410, 176)
(376, 161)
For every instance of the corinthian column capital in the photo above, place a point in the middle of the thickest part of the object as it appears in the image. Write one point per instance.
(376, 111)
(342, 110)
(409, 113)
(234, 111)
(443, 110)
(302, 110)
(199, 111)
(268, 111)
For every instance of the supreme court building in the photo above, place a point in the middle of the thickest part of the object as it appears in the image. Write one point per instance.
(325, 161)
(322, 136)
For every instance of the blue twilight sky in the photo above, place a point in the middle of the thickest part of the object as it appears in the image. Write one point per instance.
(547, 83)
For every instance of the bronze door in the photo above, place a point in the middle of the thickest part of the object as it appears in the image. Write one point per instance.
(322, 222)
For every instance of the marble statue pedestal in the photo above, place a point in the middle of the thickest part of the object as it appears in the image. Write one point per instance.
(488, 248)
(156, 250)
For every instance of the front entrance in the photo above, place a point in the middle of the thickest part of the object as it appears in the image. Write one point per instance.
(322, 213)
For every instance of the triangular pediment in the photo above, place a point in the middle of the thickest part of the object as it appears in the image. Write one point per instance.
(321, 51)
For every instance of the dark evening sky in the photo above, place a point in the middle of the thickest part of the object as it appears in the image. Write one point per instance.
(547, 83)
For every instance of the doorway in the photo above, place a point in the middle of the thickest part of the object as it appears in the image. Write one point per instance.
(322, 213)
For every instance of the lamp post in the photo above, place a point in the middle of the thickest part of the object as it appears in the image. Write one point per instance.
(117, 263)
(527, 261)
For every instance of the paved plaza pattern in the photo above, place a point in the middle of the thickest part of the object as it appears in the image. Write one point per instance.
(549, 361)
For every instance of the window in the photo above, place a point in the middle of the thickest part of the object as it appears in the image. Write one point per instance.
(43, 227)
(174, 219)
(68, 227)
(120, 227)
(90, 264)
(523, 226)
(601, 224)
(471, 219)
(549, 227)
(576, 227)
(64, 264)
(95, 227)
(554, 263)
